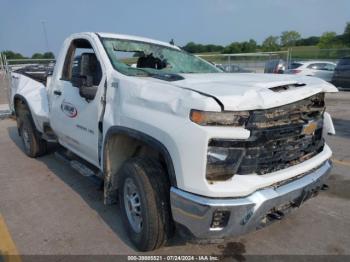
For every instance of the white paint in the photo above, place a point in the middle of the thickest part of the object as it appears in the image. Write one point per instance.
(161, 109)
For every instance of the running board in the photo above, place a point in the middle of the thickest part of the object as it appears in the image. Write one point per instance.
(78, 164)
(48, 138)
(81, 168)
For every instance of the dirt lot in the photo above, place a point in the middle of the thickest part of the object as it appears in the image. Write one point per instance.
(48, 208)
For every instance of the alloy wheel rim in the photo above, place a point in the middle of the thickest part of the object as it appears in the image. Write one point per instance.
(26, 139)
(132, 205)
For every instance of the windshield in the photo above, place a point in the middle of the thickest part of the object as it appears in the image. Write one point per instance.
(136, 58)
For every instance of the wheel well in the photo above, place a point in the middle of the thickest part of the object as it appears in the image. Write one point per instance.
(19, 104)
(121, 146)
(21, 108)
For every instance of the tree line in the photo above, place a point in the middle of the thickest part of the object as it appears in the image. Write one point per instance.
(13, 55)
(271, 43)
(276, 43)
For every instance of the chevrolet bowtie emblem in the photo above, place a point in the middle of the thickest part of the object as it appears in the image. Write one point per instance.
(309, 128)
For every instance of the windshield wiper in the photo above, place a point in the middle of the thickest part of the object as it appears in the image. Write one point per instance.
(167, 76)
(142, 70)
(159, 75)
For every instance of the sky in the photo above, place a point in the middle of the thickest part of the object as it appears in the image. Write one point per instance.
(200, 21)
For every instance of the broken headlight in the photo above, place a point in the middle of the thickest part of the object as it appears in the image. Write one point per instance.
(222, 162)
(204, 118)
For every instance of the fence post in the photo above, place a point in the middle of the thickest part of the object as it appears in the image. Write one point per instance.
(1, 62)
(8, 78)
(6, 65)
(291, 54)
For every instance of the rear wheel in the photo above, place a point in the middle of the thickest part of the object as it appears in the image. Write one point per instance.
(144, 203)
(34, 146)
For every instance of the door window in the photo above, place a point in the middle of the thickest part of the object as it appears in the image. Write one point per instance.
(322, 66)
(329, 67)
(81, 66)
(315, 66)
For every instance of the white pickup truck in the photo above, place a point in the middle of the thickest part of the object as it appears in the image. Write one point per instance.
(177, 142)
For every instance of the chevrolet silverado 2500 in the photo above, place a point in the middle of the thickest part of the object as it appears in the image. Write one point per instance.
(177, 142)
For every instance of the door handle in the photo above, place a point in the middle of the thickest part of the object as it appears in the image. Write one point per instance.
(57, 92)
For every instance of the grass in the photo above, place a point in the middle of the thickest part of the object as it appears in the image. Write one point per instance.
(313, 52)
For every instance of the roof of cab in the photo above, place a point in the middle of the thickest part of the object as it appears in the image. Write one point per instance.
(136, 38)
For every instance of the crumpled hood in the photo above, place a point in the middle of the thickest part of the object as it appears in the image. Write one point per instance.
(253, 91)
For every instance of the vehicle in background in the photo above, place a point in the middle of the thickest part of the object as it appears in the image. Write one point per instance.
(232, 68)
(320, 69)
(341, 76)
(275, 66)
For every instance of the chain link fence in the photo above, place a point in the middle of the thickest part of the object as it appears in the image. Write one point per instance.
(246, 62)
(4, 86)
(258, 62)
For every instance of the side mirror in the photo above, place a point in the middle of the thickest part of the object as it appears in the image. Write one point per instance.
(83, 78)
(85, 86)
(88, 92)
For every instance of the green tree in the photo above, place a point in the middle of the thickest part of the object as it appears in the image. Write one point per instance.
(328, 40)
(346, 35)
(289, 38)
(249, 47)
(37, 56)
(192, 47)
(312, 40)
(214, 48)
(233, 48)
(12, 55)
(48, 55)
(271, 44)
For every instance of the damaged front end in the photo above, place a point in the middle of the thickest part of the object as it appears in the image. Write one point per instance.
(217, 218)
(279, 138)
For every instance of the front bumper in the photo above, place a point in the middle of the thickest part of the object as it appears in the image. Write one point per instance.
(248, 213)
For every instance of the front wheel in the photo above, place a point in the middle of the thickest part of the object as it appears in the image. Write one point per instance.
(144, 203)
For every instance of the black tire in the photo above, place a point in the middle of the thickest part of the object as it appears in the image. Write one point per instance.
(154, 192)
(33, 145)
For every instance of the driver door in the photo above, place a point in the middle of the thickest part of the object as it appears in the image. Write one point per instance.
(74, 117)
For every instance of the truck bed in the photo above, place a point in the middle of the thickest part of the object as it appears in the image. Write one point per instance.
(32, 88)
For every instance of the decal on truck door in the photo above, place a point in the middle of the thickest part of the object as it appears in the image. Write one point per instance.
(69, 110)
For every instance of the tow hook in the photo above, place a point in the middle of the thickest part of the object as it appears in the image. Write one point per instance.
(324, 187)
(275, 215)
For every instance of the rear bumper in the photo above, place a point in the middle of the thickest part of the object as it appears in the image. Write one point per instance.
(244, 214)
